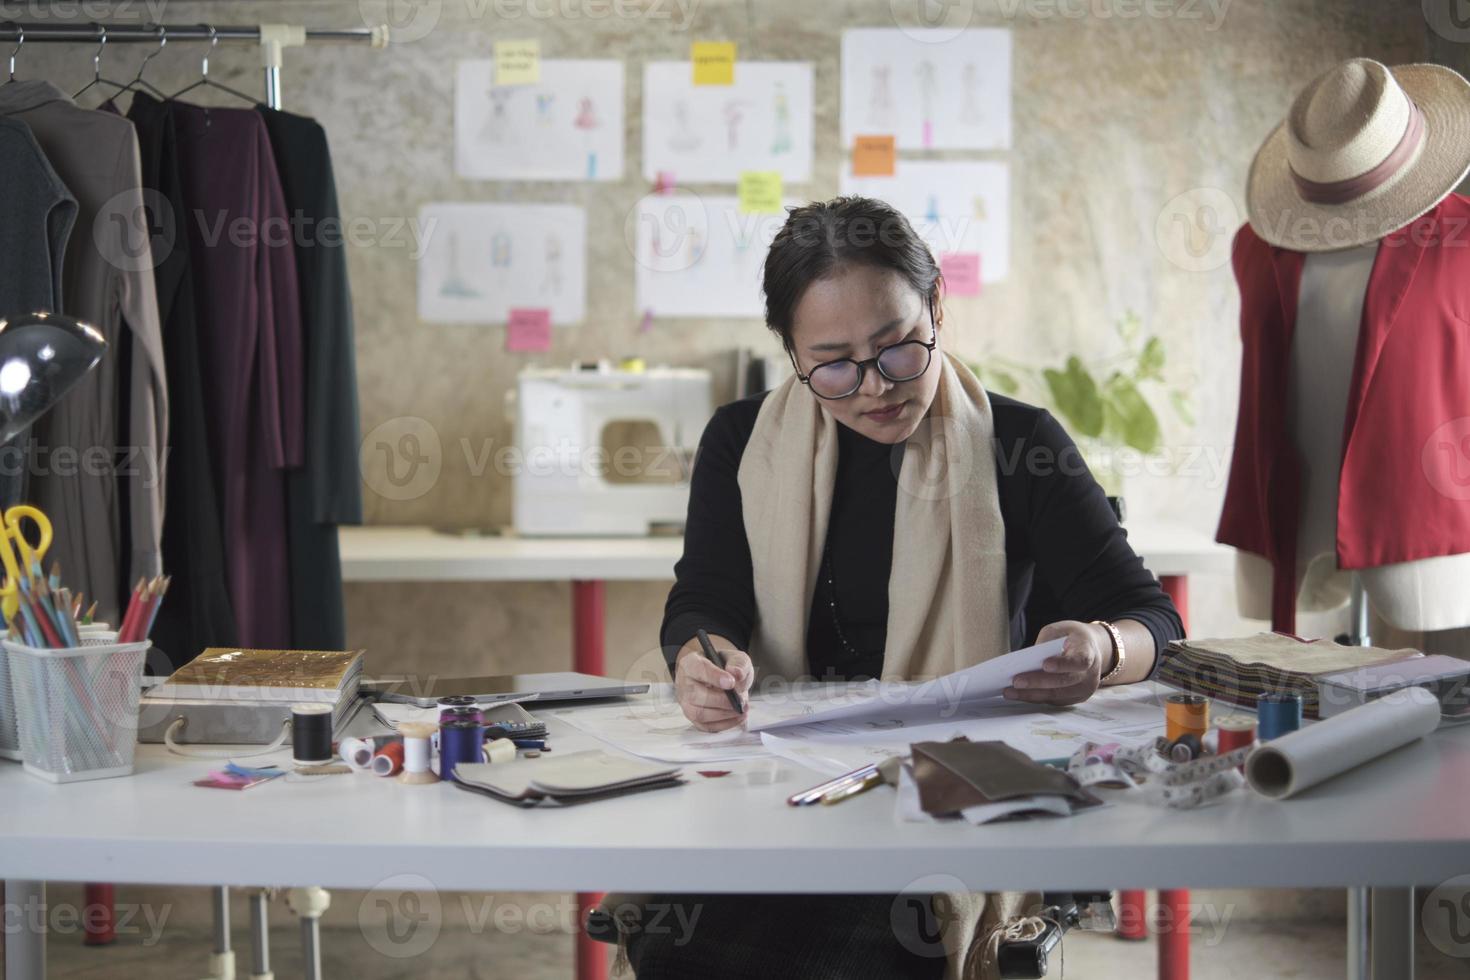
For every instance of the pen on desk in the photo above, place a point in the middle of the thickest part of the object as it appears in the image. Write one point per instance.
(874, 778)
(713, 656)
(815, 793)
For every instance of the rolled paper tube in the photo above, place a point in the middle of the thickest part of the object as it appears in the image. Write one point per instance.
(389, 760)
(1186, 714)
(500, 750)
(1301, 759)
(416, 753)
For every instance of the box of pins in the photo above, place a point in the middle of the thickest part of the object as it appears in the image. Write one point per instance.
(76, 707)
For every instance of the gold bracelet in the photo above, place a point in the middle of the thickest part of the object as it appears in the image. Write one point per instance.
(1117, 648)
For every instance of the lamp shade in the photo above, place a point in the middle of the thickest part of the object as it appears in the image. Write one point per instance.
(42, 355)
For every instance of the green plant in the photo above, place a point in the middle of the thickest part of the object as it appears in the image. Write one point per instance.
(1115, 410)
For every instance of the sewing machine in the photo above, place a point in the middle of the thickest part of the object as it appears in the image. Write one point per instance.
(603, 450)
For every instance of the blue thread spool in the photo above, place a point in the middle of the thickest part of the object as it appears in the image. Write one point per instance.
(459, 707)
(461, 736)
(1277, 715)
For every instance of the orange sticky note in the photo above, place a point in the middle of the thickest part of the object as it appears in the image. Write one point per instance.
(714, 62)
(961, 272)
(528, 330)
(872, 156)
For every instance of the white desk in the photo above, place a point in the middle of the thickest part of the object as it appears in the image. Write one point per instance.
(1397, 822)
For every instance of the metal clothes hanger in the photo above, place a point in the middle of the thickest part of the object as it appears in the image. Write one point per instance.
(19, 43)
(97, 78)
(138, 80)
(204, 79)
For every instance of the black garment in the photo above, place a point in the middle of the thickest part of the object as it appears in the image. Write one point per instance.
(814, 937)
(327, 490)
(1061, 536)
(196, 613)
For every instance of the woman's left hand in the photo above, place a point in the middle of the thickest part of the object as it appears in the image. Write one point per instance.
(1071, 676)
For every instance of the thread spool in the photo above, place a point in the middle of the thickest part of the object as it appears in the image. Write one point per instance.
(388, 761)
(311, 734)
(1234, 732)
(1277, 714)
(460, 707)
(500, 750)
(358, 752)
(416, 771)
(1186, 748)
(459, 741)
(1186, 714)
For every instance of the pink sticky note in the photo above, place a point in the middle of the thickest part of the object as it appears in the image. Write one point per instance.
(665, 182)
(961, 271)
(528, 330)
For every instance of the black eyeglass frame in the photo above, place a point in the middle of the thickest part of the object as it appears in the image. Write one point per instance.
(862, 366)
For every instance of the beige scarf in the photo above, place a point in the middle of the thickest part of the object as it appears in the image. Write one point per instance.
(947, 603)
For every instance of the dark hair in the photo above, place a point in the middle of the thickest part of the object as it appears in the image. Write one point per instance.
(820, 238)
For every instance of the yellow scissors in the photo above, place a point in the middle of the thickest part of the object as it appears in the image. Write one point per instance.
(16, 552)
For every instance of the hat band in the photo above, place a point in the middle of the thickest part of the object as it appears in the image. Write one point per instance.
(1342, 191)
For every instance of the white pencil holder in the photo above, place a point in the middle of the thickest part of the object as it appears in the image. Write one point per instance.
(9, 731)
(77, 707)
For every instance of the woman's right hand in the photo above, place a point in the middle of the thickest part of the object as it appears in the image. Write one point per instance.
(700, 686)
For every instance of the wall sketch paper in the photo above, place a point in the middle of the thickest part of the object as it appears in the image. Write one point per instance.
(569, 126)
(710, 133)
(481, 260)
(700, 256)
(929, 88)
(956, 206)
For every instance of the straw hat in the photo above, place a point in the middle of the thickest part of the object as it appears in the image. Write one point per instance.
(1365, 150)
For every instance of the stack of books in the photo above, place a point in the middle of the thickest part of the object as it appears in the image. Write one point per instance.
(1240, 670)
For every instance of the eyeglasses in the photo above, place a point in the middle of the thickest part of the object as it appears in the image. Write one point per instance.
(899, 362)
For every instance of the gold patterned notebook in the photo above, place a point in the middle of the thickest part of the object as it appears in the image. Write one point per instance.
(232, 674)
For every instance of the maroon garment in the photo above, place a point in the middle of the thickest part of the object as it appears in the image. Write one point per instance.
(1405, 483)
(240, 242)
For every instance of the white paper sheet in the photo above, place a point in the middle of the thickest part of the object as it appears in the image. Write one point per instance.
(698, 255)
(956, 206)
(932, 89)
(935, 699)
(480, 261)
(568, 126)
(710, 133)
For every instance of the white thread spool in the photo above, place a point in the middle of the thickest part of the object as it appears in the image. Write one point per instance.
(416, 737)
(499, 750)
(356, 752)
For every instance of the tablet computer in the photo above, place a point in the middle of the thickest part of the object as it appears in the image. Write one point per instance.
(425, 691)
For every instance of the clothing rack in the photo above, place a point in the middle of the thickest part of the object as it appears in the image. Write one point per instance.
(272, 38)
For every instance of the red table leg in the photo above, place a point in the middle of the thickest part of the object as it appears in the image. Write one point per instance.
(589, 608)
(98, 913)
(1132, 914)
(1173, 930)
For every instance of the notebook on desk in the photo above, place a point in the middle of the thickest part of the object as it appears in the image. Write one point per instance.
(577, 777)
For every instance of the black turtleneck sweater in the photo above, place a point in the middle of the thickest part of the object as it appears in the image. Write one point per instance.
(1066, 555)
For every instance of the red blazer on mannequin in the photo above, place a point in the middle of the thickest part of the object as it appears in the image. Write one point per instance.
(1404, 491)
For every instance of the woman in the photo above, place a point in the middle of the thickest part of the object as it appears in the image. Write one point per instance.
(879, 515)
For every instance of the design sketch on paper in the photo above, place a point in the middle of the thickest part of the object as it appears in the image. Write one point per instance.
(761, 122)
(955, 89)
(481, 260)
(568, 126)
(699, 256)
(954, 205)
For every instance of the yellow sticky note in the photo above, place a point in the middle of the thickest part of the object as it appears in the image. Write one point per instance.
(517, 62)
(760, 191)
(714, 62)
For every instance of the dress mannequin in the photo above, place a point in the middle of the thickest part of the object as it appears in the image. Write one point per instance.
(1419, 596)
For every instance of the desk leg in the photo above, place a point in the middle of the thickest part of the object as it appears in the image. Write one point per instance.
(98, 914)
(589, 609)
(1392, 929)
(25, 913)
(1174, 902)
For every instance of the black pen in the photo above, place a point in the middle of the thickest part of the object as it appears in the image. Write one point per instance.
(713, 656)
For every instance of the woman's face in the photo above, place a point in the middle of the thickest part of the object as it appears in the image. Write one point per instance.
(853, 314)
